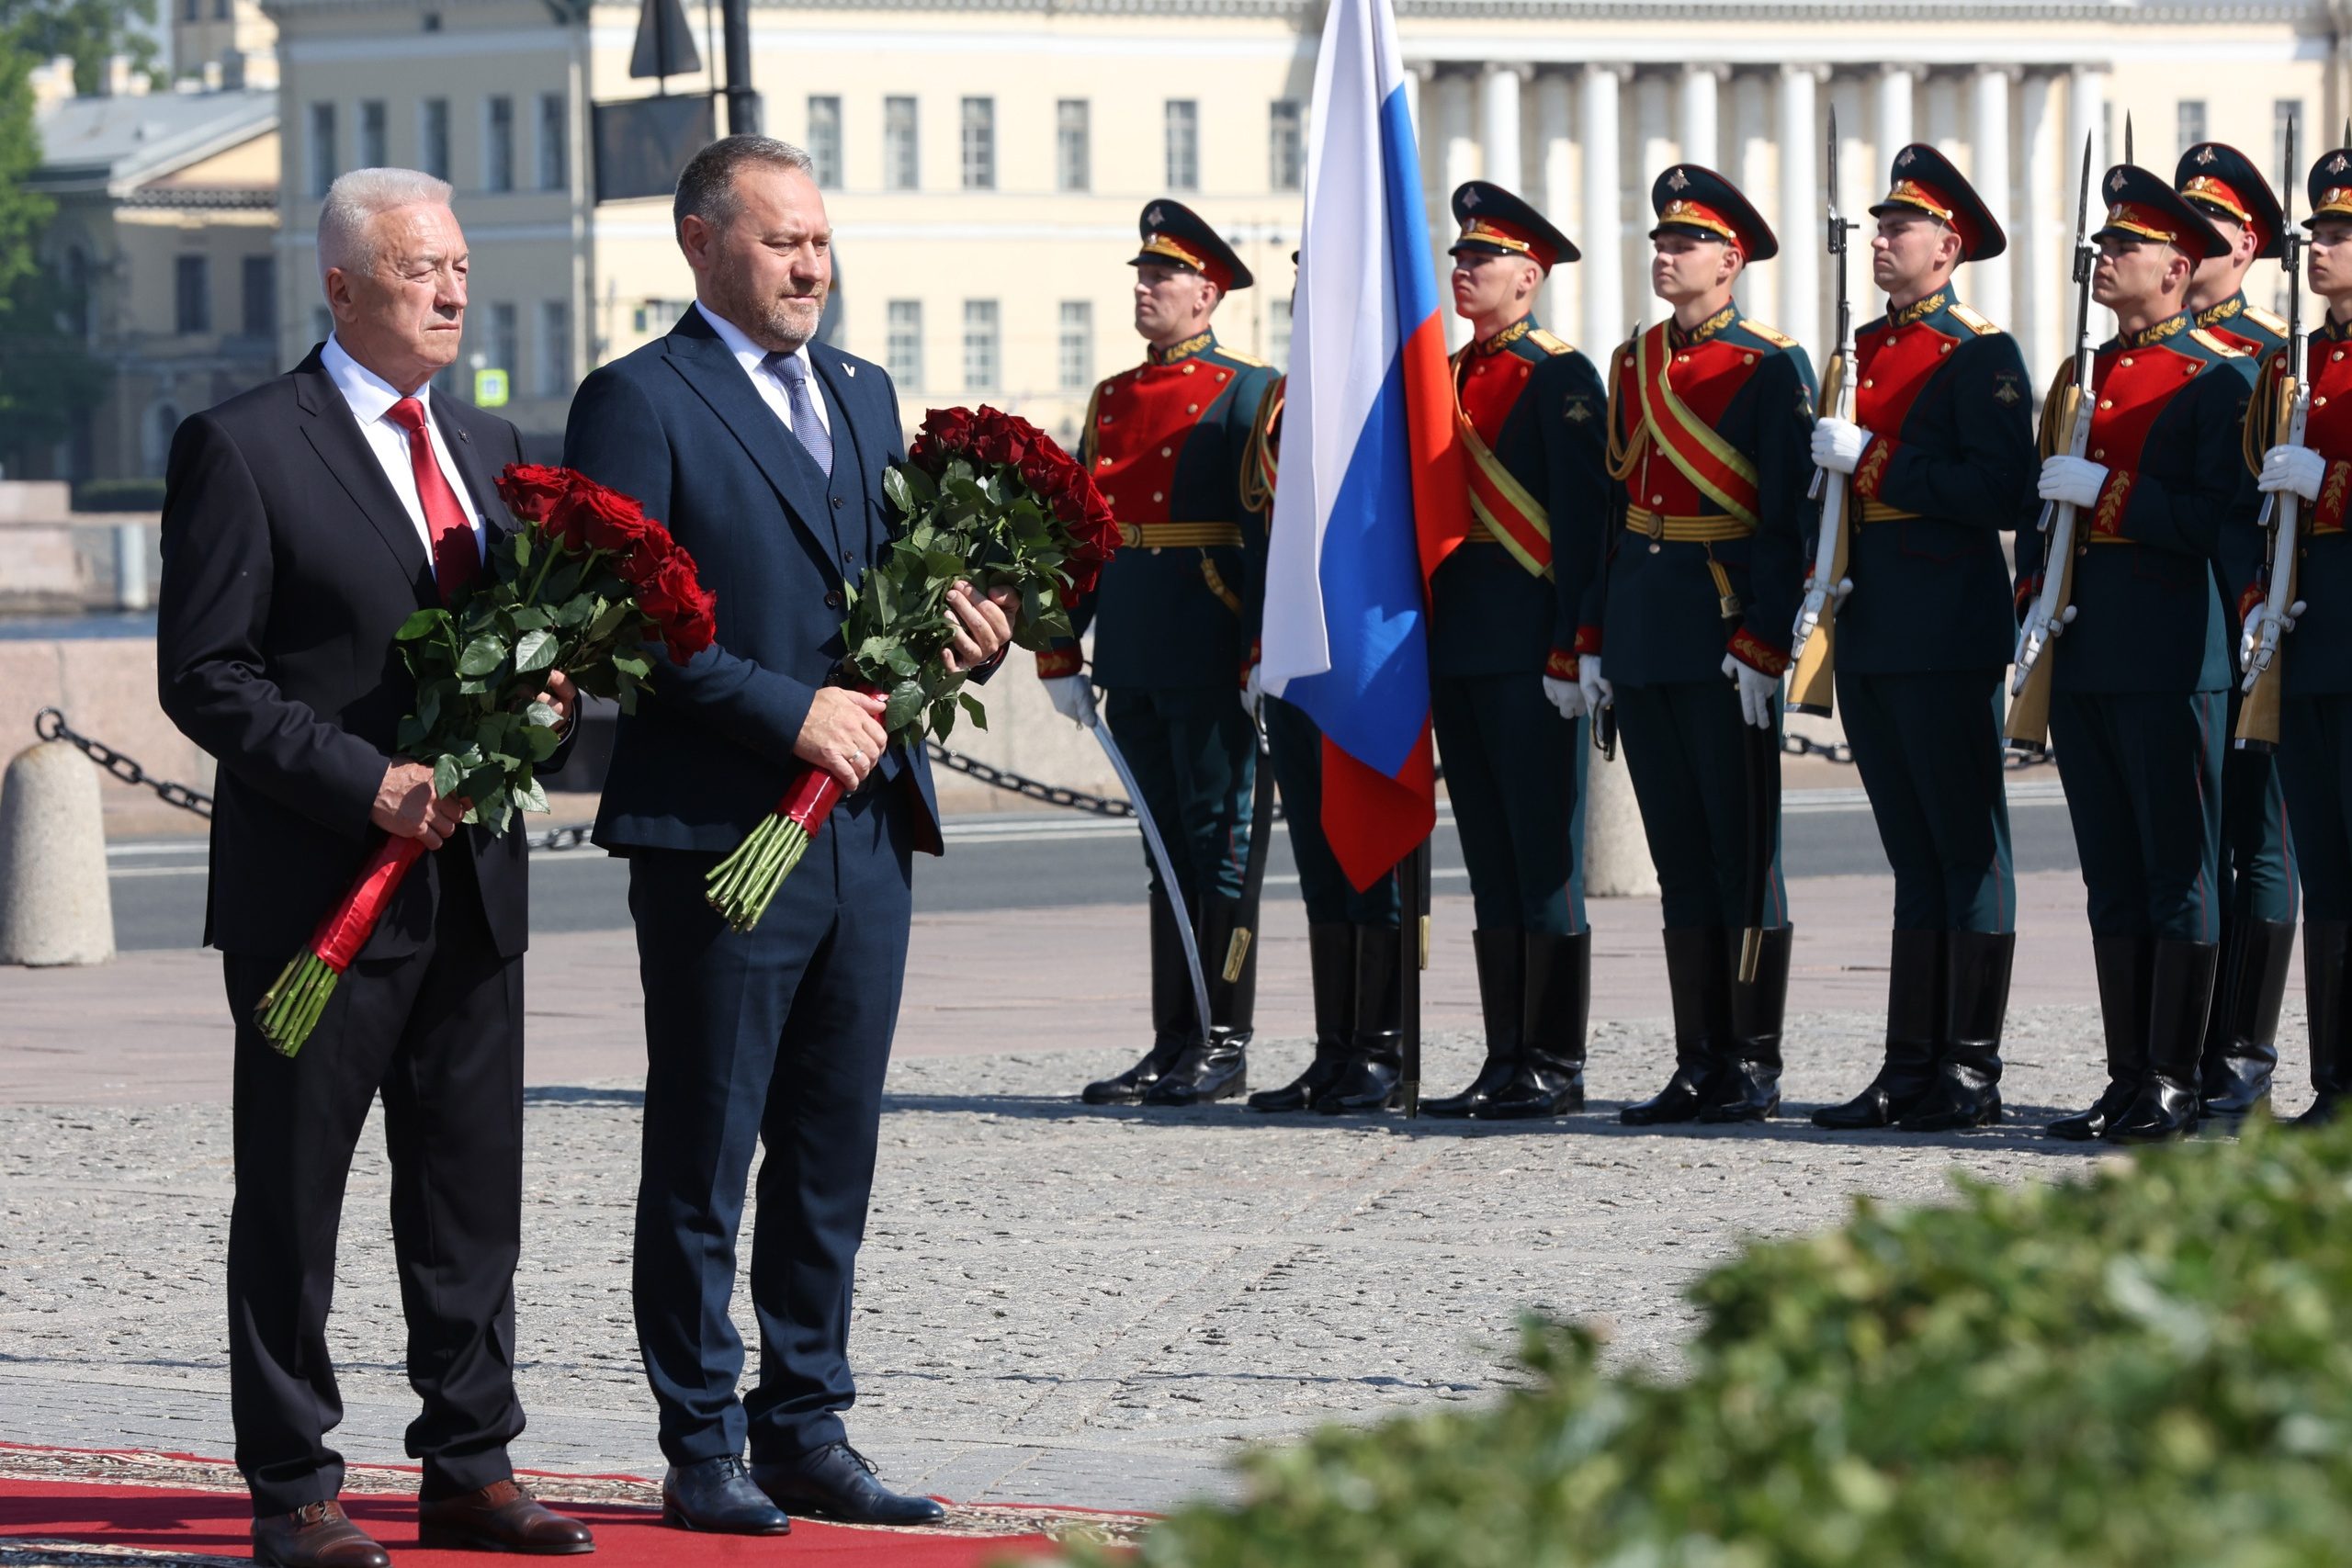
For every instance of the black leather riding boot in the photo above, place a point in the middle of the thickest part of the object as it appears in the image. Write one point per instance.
(2242, 1033)
(1914, 1014)
(1171, 1013)
(1375, 1060)
(1967, 1088)
(1749, 1089)
(2327, 946)
(1502, 998)
(2126, 967)
(1330, 967)
(1698, 983)
(1218, 1068)
(2165, 1103)
(1549, 1078)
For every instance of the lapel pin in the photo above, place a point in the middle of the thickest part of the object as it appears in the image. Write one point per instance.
(848, 369)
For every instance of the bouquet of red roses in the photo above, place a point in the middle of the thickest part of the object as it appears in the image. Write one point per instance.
(588, 585)
(987, 499)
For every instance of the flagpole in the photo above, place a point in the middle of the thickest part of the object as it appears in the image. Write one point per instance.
(1413, 937)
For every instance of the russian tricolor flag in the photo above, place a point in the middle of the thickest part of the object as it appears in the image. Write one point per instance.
(1371, 495)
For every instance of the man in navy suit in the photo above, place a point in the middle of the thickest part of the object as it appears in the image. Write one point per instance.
(765, 453)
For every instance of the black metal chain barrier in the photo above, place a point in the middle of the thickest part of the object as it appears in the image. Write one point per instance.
(50, 725)
(1028, 788)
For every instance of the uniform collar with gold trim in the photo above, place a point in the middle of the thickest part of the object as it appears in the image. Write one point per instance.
(1505, 338)
(1704, 330)
(2330, 330)
(1919, 310)
(2213, 315)
(2148, 337)
(1155, 354)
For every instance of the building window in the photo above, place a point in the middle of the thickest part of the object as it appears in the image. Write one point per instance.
(257, 280)
(900, 169)
(1077, 346)
(1278, 334)
(323, 168)
(979, 145)
(1073, 146)
(555, 348)
(555, 141)
(191, 295)
(825, 140)
(902, 348)
(498, 144)
(191, 10)
(1184, 123)
(658, 316)
(220, 10)
(499, 346)
(980, 345)
(2284, 112)
(1287, 145)
(2191, 118)
(433, 137)
(371, 148)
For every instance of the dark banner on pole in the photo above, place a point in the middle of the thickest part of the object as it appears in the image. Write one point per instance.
(643, 144)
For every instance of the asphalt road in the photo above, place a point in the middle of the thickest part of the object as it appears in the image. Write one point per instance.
(1033, 861)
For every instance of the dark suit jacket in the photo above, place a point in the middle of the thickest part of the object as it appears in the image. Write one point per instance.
(678, 425)
(288, 562)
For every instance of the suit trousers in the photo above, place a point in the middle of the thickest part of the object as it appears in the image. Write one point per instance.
(1685, 747)
(1514, 773)
(1295, 746)
(2143, 776)
(1928, 748)
(438, 1033)
(776, 1037)
(1195, 758)
(2314, 763)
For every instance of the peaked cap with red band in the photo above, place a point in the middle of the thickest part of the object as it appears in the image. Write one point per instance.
(2330, 187)
(1689, 199)
(1496, 224)
(1924, 180)
(2219, 180)
(1175, 235)
(2140, 205)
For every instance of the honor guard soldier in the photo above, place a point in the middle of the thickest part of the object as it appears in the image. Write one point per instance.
(2315, 755)
(1353, 939)
(2257, 886)
(1708, 451)
(1164, 443)
(1941, 453)
(1530, 413)
(2137, 714)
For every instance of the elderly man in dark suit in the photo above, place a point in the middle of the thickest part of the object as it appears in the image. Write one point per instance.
(764, 452)
(303, 521)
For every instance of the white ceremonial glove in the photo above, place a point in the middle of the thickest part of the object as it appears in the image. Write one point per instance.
(1253, 692)
(1757, 691)
(2065, 618)
(1566, 695)
(1837, 444)
(2253, 657)
(1072, 698)
(2297, 468)
(2074, 481)
(1597, 691)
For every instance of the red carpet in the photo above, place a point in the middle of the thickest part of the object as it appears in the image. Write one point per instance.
(53, 1500)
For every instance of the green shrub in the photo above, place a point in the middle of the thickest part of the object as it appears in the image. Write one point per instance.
(118, 495)
(2151, 1366)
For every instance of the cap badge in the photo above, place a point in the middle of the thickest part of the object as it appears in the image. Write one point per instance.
(2335, 164)
(1470, 198)
(2116, 181)
(2204, 156)
(1153, 216)
(1677, 181)
(1903, 159)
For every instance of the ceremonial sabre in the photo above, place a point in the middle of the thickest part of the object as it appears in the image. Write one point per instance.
(1253, 868)
(2281, 510)
(1812, 685)
(1159, 847)
(2029, 725)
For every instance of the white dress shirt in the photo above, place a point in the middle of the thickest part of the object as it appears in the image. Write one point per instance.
(371, 398)
(766, 382)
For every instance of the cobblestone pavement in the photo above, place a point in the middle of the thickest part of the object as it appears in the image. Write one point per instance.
(1057, 1305)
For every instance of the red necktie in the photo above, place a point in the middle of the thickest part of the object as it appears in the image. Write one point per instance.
(455, 557)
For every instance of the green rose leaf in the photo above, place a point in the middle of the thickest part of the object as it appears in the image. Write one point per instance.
(482, 655)
(446, 774)
(632, 664)
(530, 794)
(534, 651)
(906, 702)
(424, 623)
(608, 619)
(974, 711)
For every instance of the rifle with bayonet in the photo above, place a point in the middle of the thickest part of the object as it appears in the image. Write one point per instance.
(1812, 650)
(2263, 657)
(2029, 725)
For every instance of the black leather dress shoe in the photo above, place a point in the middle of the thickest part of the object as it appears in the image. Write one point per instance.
(315, 1535)
(836, 1481)
(716, 1496)
(502, 1516)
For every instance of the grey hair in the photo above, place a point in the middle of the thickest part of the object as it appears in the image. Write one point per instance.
(356, 198)
(706, 187)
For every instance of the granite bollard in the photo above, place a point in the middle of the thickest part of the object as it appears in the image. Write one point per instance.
(54, 904)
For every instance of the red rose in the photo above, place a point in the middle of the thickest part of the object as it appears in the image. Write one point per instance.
(678, 605)
(532, 490)
(950, 429)
(645, 559)
(602, 518)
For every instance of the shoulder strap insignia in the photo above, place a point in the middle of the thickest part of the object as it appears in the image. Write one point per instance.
(1549, 344)
(1242, 359)
(1772, 336)
(1982, 325)
(2219, 346)
(2275, 325)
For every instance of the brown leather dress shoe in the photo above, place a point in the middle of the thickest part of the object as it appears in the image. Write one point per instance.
(316, 1535)
(502, 1516)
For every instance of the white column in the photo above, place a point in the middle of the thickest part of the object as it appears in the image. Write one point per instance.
(2035, 232)
(1655, 149)
(1500, 122)
(1894, 129)
(2086, 122)
(1606, 309)
(1556, 150)
(1861, 180)
(1421, 71)
(1751, 134)
(1800, 206)
(1701, 136)
(1457, 159)
(1988, 171)
(1939, 117)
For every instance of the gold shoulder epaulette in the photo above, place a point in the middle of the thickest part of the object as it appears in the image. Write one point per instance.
(1981, 325)
(1241, 359)
(1549, 344)
(1772, 336)
(2218, 345)
(2275, 325)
